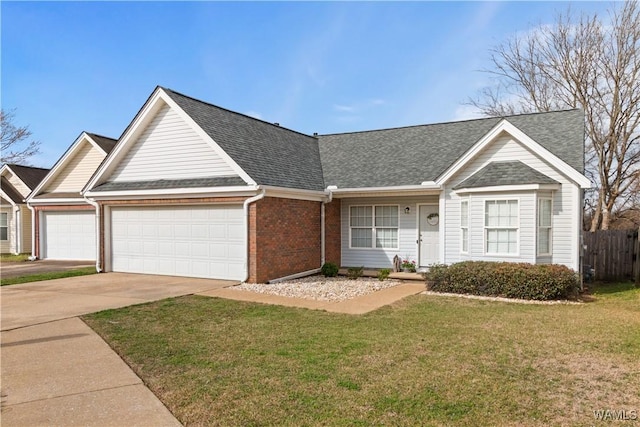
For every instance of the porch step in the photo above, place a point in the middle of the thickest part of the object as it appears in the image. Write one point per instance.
(400, 275)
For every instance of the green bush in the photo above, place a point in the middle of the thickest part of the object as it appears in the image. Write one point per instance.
(383, 274)
(329, 269)
(354, 272)
(505, 279)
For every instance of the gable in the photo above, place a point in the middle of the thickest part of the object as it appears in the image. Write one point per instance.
(169, 148)
(16, 183)
(77, 170)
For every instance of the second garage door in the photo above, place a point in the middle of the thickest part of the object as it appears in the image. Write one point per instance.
(193, 241)
(69, 235)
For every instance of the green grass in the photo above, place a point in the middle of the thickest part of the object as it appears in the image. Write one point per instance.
(14, 258)
(426, 360)
(47, 276)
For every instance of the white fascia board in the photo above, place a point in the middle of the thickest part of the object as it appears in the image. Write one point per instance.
(402, 190)
(7, 198)
(93, 142)
(503, 188)
(139, 122)
(38, 202)
(60, 163)
(172, 193)
(187, 118)
(294, 193)
(8, 168)
(506, 126)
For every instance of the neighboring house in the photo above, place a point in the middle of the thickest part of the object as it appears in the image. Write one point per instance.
(64, 222)
(192, 189)
(16, 182)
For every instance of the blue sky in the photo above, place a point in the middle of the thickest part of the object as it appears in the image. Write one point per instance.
(313, 67)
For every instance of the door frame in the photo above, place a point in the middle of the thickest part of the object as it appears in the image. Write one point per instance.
(418, 243)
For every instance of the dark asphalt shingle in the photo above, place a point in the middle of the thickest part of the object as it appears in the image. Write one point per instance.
(505, 173)
(29, 175)
(10, 191)
(222, 181)
(411, 155)
(106, 143)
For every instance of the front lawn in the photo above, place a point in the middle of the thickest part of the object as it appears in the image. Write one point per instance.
(14, 258)
(47, 276)
(427, 360)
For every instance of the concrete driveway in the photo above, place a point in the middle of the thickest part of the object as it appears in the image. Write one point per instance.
(56, 371)
(14, 269)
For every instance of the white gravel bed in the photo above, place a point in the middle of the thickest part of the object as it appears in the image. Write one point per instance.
(321, 288)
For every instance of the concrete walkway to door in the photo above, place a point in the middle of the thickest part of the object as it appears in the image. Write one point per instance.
(57, 371)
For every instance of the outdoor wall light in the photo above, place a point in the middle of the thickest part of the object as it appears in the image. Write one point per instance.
(407, 210)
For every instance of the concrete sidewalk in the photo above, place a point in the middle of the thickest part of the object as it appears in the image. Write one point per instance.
(358, 305)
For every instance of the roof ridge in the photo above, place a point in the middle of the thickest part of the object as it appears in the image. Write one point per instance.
(101, 136)
(454, 122)
(277, 126)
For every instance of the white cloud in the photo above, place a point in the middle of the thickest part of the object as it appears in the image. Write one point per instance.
(343, 108)
(467, 112)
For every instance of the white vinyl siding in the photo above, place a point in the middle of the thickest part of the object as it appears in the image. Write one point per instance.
(192, 241)
(169, 148)
(371, 224)
(407, 231)
(4, 226)
(25, 225)
(68, 235)
(464, 226)
(564, 201)
(76, 171)
(501, 227)
(545, 220)
(18, 184)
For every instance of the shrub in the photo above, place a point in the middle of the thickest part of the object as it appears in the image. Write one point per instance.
(354, 272)
(504, 279)
(329, 269)
(383, 274)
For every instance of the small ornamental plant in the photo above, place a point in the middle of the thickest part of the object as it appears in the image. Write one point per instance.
(408, 264)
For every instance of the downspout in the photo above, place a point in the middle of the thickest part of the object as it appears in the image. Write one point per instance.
(98, 240)
(18, 225)
(245, 207)
(323, 257)
(33, 232)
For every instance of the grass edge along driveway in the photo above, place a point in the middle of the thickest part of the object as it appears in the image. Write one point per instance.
(427, 360)
(47, 276)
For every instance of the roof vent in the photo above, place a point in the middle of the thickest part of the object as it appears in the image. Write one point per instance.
(315, 134)
(277, 124)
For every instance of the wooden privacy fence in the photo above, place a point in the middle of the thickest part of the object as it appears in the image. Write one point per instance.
(614, 254)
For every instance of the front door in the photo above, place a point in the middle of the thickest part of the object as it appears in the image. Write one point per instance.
(429, 224)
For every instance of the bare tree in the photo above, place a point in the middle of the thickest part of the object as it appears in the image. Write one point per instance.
(16, 146)
(580, 63)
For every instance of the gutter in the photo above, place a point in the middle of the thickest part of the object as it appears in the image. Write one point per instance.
(18, 225)
(245, 207)
(323, 257)
(98, 241)
(33, 232)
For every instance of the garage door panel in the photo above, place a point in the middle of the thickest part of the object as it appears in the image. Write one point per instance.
(200, 241)
(68, 235)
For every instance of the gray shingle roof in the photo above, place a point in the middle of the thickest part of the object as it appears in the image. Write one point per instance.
(10, 191)
(59, 195)
(104, 142)
(505, 173)
(269, 154)
(29, 175)
(229, 181)
(411, 155)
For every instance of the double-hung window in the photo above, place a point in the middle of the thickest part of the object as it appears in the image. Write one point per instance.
(4, 226)
(501, 227)
(374, 227)
(545, 213)
(464, 226)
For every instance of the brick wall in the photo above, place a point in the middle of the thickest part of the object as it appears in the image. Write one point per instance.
(333, 233)
(284, 238)
(39, 209)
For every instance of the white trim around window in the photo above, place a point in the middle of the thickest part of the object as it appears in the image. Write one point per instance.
(464, 226)
(374, 227)
(4, 226)
(502, 227)
(544, 246)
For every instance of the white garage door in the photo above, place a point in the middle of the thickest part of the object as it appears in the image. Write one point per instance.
(69, 235)
(192, 241)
